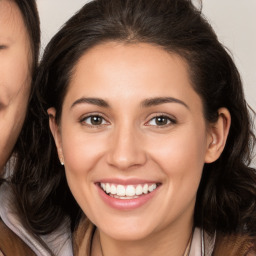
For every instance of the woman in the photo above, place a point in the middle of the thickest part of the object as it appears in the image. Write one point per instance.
(19, 49)
(152, 134)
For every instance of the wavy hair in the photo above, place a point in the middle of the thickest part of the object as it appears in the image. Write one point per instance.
(226, 198)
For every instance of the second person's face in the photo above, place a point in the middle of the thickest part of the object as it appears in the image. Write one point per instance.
(15, 77)
(134, 140)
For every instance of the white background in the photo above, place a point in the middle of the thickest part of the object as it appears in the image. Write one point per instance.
(234, 22)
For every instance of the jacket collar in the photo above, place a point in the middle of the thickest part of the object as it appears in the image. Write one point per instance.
(59, 242)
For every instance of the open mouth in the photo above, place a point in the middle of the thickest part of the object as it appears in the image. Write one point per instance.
(128, 191)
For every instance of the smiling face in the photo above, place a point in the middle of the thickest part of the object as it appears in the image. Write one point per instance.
(14, 76)
(134, 140)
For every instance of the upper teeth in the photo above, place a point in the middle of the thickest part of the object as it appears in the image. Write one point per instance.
(129, 190)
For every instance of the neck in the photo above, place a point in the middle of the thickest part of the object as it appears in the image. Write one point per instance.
(171, 241)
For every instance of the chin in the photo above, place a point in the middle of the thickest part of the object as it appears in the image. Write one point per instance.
(128, 235)
(129, 232)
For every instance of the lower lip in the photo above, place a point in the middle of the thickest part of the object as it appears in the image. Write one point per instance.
(126, 204)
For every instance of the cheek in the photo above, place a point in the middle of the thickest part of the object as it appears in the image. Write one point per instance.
(81, 156)
(181, 155)
(14, 78)
(181, 159)
(80, 151)
(14, 93)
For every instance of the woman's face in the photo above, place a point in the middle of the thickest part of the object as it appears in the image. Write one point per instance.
(15, 78)
(133, 140)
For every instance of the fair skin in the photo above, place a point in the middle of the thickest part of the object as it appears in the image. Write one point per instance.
(131, 118)
(15, 59)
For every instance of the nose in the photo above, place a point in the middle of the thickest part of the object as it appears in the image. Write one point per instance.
(126, 149)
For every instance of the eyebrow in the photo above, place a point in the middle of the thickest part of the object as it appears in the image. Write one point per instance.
(162, 100)
(93, 101)
(145, 103)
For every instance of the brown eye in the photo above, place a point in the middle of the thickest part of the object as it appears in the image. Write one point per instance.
(94, 120)
(161, 121)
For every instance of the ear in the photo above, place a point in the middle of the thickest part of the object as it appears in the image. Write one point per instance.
(55, 129)
(217, 135)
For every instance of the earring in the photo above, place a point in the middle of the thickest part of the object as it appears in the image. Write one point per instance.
(61, 160)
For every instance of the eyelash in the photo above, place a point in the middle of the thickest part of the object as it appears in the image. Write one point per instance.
(168, 121)
(2, 47)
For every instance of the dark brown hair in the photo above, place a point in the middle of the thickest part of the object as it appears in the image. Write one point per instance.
(226, 199)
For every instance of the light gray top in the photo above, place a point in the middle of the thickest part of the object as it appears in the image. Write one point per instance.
(59, 241)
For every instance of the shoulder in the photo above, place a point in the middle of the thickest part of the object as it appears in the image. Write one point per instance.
(235, 245)
(11, 244)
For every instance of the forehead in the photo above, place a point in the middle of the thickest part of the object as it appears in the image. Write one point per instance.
(131, 71)
(117, 60)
